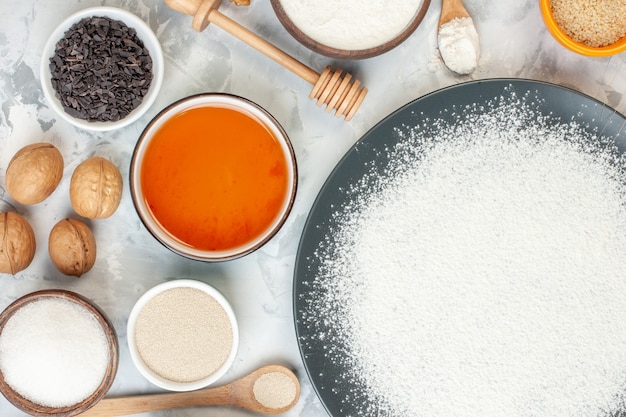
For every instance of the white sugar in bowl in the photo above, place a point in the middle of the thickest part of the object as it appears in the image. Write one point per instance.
(58, 353)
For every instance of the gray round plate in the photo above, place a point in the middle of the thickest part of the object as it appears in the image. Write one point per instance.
(338, 394)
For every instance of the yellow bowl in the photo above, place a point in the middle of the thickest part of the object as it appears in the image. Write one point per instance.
(572, 45)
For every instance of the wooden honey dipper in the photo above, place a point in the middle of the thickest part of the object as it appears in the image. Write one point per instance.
(335, 89)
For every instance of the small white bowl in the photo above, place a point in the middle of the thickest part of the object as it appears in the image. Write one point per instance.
(154, 377)
(144, 33)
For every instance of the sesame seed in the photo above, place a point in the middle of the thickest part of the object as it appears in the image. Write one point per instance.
(594, 23)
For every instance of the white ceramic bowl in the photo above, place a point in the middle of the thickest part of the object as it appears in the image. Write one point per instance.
(159, 380)
(144, 33)
(219, 100)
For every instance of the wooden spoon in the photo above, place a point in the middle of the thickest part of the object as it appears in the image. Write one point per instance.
(239, 393)
(335, 90)
(459, 53)
(452, 9)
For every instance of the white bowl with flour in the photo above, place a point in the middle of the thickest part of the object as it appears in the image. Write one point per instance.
(350, 29)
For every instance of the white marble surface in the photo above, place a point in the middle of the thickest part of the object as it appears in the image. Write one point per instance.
(514, 43)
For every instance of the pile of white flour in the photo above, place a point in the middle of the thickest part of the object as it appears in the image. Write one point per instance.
(351, 24)
(484, 275)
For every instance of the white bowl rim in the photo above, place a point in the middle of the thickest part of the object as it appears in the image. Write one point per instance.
(155, 378)
(200, 100)
(150, 41)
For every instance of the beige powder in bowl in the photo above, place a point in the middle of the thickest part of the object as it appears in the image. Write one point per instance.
(183, 334)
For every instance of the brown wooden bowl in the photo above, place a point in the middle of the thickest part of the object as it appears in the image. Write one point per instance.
(38, 410)
(332, 52)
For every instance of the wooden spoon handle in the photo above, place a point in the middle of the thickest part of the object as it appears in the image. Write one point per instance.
(452, 9)
(205, 12)
(134, 404)
(263, 46)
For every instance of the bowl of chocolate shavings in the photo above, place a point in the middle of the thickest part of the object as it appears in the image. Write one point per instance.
(101, 68)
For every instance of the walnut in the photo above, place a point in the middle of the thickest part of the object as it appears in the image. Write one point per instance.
(17, 243)
(96, 188)
(34, 173)
(72, 247)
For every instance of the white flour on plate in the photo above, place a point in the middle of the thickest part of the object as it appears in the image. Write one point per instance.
(484, 275)
(351, 24)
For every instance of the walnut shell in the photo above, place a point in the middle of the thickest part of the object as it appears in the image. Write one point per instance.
(17, 243)
(34, 173)
(96, 188)
(72, 247)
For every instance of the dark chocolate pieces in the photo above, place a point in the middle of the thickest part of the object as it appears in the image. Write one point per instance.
(101, 70)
